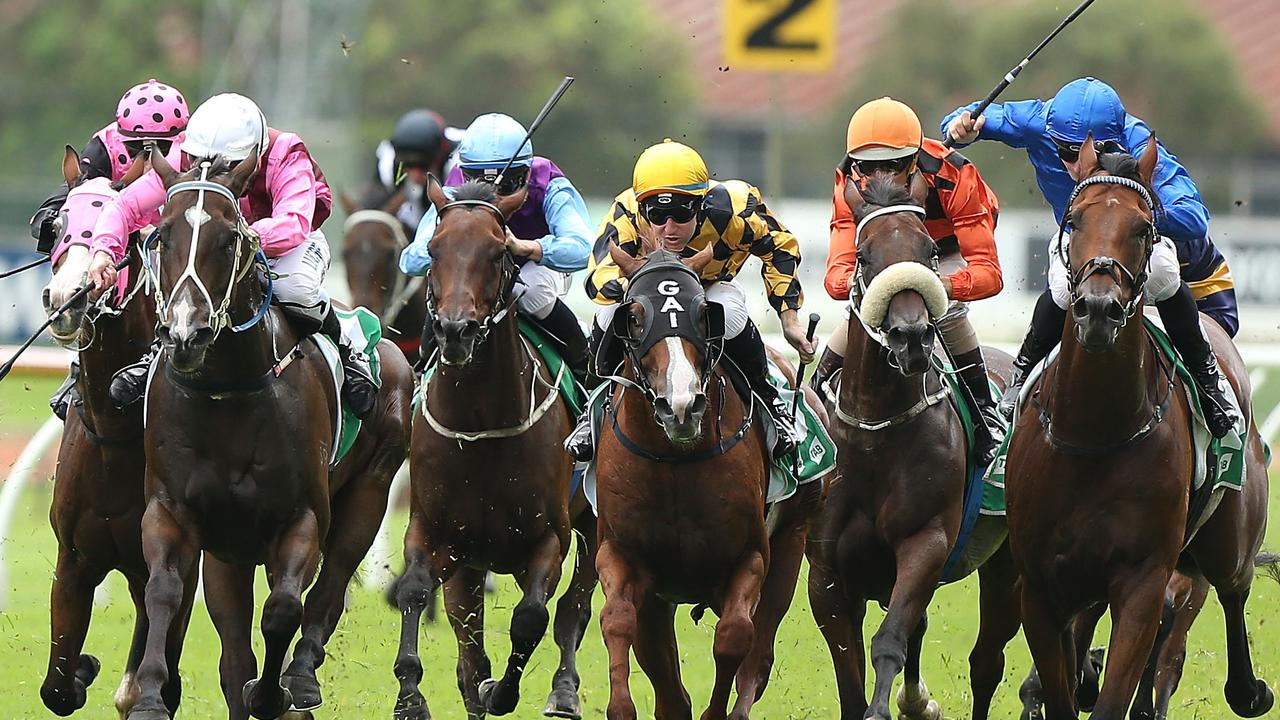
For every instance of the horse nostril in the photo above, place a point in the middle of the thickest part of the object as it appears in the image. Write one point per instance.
(1115, 311)
(662, 407)
(698, 406)
(46, 298)
(1080, 308)
(471, 329)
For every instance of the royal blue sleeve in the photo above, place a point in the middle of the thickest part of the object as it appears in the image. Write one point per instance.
(568, 246)
(1009, 123)
(1184, 217)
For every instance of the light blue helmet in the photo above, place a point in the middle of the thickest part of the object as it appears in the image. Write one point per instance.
(1085, 106)
(491, 140)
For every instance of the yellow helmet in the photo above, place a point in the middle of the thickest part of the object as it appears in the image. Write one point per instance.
(672, 167)
(883, 129)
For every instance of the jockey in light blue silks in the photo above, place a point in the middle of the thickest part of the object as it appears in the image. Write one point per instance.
(1186, 273)
(551, 229)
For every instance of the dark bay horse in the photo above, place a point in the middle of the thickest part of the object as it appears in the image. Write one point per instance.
(242, 413)
(98, 502)
(490, 482)
(1100, 466)
(372, 240)
(893, 516)
(682, 500)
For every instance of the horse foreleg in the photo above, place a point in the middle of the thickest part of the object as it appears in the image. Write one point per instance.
(291, 567)
(1053, 651)
(172, 690)
(411, 593)
(914, 702)
(70, 607)
(1136, 599)
(839, 619)
(623, 587)
(127, 692)
(735, 632)
(1246, 693)
(919, 566)
(528, 622)
(1189, 596)
(573, 613)
(228, 595)
(171, 556)
(464, 606)
(1000, 620)
(658, 655)
(1089, 680)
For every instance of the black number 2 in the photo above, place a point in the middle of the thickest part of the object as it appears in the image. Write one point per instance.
(766, 35)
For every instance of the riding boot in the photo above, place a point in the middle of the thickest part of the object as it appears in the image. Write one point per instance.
(1182, 321)
(66, 394)
(747, 350)
(562, 325)
(1045, 332)
(828, 363)
(129, 383)
(580, 445)
(359, 388)
(972, 369)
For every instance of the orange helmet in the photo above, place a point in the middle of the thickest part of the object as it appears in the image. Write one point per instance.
(883, 129)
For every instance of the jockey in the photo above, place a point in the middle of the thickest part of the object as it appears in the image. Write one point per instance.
(1186, 272)
(150, 113)
(421, 144)
(285, 203)
(550, 230)
(885, 140)
(672, 196)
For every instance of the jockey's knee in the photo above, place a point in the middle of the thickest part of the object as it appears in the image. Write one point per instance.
(541, 287)
(1163, 276)
(734, 301)
(956, 330)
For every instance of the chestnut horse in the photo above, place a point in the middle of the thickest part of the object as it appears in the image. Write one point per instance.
(682, 500)
(1099, 475)
(893, 516)
(97, 494)
(490, 482)
(372, 240)
(242, 413)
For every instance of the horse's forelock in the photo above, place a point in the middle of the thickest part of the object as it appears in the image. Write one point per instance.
(883, 192)
(477, 190)
(1122, 164)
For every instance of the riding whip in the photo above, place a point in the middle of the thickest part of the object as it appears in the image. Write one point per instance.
(1013, 74)
(533, 126)
(79, 293)
(24, 268)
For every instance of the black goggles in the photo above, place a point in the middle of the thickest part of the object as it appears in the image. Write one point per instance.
(514, 179)
(1067, 152)
(133, 147)
(661, 208)
(867, 168)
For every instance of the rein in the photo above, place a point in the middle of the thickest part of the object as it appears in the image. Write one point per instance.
(405, 287)
(510, 275)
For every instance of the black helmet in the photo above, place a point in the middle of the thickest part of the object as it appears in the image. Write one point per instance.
(418, 137)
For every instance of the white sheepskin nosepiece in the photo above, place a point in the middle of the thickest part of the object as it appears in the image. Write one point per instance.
(893, 280)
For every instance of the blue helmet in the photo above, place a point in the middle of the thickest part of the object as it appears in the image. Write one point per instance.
(491, 140)
(1085, 106)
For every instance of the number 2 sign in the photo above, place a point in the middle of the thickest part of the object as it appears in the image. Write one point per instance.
(780, 35)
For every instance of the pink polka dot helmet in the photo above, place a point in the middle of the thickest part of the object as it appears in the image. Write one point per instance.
(152, 111)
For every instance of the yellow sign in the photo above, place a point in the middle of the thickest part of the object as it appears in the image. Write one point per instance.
(780, 35)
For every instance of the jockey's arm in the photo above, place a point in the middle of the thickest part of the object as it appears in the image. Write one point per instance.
(605, 284)
(568, 246)
(842, 256)
(125, 214)
(415, 260)
(972, 209)
(293, 193)
(779, 254)
(1009, 123)
(1183, 216)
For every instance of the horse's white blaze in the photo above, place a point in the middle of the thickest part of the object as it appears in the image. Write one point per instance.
(682, 380)
(70, 275)
(182, 312)
(196, 216)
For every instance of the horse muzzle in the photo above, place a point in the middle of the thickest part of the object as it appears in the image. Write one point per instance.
(65, 328)
(1098, 318)
(910, 347)
(457, 340)
(187, 348)
(682, 422)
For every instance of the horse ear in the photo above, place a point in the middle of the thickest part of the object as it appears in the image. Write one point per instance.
(161, 165)
(700, 259)
(435, 193)
(71, 166)
(1088, 158)
(346, 203)
(136, 168)
(627, 264)
(852, 194)
(509, 204)
(1147, 163)
(243, 172)
(918, 189)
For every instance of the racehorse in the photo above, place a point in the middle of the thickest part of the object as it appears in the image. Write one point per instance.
(893, 516)
(1089, 520)
(490, 482)
(682, 500)
(372, 240)
(243, 410)
(97, 494)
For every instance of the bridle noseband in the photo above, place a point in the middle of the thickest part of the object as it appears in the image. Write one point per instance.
(510, 273)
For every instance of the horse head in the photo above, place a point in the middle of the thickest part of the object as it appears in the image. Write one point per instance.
(203, 256)
(372, 240)
(469, 286)
(74, 230)
(671, 335)
(1111, 218)
(896, 289)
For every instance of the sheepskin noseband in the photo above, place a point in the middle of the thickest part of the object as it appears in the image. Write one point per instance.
(893, 280)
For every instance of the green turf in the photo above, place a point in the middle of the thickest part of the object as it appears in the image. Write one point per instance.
(24, 403)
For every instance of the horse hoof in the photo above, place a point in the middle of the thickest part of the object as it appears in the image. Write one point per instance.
(494, 700)
(305, 690)
(88, 670)
(263, 710)
(931, 711)
(563, 703)
(413, 707)
(1260, 704)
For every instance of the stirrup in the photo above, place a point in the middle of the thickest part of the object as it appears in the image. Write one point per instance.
(580, 445)
(129, 383)
(359, 389)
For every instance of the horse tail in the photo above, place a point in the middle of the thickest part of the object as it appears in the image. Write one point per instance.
(1269, 563)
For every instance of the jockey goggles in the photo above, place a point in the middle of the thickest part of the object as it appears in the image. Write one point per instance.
(1070, 152)
(133, 147)
(867, 168)
(514, 179)
(662, 207)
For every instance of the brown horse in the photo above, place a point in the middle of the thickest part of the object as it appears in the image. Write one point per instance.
(1099, 475)
(682, 500)
(238, 449)
(892, 518)
(97, 496)
(490, 482)
(372, 240)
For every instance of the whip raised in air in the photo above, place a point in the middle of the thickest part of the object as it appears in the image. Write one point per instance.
(533, 126)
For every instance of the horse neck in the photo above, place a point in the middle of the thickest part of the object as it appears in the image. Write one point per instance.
(870, 388)
(1098, 399)
(490, 391)
(118, 341)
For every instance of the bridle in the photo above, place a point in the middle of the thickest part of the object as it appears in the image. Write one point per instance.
(405, 286)
(859, 283)
(510, 274)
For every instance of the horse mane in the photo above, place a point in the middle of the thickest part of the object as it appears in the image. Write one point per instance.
(218, 166)
(477, 190)
(1122, 164)
(883, 192)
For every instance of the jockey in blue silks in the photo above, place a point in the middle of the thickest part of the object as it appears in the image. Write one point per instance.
(1186, 273)
(551, 231)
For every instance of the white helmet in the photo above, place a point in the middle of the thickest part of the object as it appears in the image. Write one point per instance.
(230, 125)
